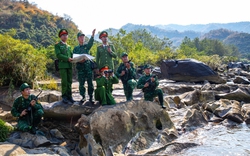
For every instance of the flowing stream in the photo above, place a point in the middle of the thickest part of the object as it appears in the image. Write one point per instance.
(218, 140)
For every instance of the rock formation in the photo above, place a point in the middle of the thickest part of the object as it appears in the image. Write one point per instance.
(189, 70)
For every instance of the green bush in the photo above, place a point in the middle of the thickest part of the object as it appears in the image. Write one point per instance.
(51, 85)
(20, 62)
(4, 131)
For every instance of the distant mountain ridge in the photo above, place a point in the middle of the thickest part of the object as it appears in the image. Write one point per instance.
(237, 34)
(204, 28)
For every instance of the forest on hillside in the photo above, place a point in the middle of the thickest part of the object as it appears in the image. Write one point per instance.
(28, 36)
(38, 26)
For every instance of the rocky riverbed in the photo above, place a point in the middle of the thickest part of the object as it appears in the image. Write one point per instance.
(201, 119)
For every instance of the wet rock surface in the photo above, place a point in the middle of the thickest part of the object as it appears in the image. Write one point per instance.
(132, 128)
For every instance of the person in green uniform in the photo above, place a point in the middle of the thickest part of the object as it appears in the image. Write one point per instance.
(28, 110)
(84, 67)
(105, 52)
(104, 83)
(64, 55)
(149, 83)
(127, 73)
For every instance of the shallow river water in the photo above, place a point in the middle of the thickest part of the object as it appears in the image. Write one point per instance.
(218, 140)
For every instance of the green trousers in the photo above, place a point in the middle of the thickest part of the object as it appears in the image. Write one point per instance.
(103, 97)
(149, 96)
(25, 122)
(82, 77)
(66, 82)
(128, 89)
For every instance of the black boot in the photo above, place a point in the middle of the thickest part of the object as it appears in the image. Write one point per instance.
(65, 100)
(71, 100)
(91, 99)
(162, 106)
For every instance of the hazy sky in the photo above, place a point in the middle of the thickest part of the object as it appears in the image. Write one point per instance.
(104, 14)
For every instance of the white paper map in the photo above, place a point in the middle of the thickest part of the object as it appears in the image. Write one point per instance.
(80, 57)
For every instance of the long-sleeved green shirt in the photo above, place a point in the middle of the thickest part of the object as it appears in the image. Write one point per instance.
(105, 58)
(63, 53)
(129, 73)
(83, 49)
(142, 81)
(21, 103)
(107, 83)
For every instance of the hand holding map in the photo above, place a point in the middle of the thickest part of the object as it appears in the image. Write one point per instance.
(80, 57)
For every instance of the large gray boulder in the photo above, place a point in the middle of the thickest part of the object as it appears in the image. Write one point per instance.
(61, 111)
(112, 127)
(189, 70)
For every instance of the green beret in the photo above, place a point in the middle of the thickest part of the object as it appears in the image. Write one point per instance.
(146, 66)
(103, 34)
(80, 34)
(62, 32)
(23, 86)
(124, 54)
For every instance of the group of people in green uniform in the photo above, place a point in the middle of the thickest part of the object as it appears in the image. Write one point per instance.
(105, 53)
(30, 111)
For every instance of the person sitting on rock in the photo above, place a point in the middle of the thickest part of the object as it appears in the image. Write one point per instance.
(149, 83)
(104, 86)
(28, 110)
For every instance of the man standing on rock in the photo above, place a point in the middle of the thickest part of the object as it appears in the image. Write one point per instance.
(105, 52)
(28, 110)
(64, 55)
(149, 83)
(84, 67)
(127, 73)
(104, 83)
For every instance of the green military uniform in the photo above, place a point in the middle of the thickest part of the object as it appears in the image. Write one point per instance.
(84, 69)
(103, 92)
(128, 80)
(151, 91)
(30, 120)
(103, 56)
(63, 53)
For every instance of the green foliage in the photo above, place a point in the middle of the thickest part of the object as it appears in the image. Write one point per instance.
(4, 131)
(38, 26)
(141, 46)
(51, 85)
(212, 52)
(213, 61)
(20, 62)
(210, 47)
(239, 40)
